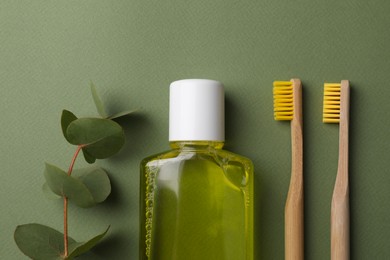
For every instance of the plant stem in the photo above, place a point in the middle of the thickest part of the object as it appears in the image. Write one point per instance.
(66, 251)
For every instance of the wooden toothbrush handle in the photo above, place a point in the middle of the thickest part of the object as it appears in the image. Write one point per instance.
(294, 222)
(340, 227)
(340, 200)
(294, 226)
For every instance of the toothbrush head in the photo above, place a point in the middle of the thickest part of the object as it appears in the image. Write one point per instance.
(331, 112)
(283, 100)
(287, 99)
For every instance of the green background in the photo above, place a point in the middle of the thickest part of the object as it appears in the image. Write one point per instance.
(132, 50)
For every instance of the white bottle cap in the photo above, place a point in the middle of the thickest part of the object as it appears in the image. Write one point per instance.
(196, 110)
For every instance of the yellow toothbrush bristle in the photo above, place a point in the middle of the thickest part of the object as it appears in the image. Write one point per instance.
(283, 100)
(331, 112)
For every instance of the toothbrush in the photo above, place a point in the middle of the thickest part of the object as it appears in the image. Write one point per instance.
(288, 106)
(336, 110)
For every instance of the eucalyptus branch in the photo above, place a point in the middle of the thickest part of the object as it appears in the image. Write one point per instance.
(97, 138)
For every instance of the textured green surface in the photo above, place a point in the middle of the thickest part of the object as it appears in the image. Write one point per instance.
(132, 50)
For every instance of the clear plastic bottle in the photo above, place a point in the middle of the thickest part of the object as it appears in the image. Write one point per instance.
(196, 199)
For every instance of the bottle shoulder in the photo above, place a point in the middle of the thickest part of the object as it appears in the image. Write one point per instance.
(160, 156)
(235, 156)
(217, 155)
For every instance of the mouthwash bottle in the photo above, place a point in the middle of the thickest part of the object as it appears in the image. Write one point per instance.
(196, 199)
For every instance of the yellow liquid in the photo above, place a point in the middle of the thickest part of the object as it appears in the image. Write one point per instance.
(196, 204)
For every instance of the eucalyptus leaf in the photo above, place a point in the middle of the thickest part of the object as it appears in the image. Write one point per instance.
(88, 158)
(49, 194)
(122, 114)
(77, 249)
(67, 117)
(98, 102)
(40, 242)
(63, 185)
(101, 138)
(96, 180)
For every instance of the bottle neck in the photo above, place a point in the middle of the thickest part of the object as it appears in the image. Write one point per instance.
(196, 145)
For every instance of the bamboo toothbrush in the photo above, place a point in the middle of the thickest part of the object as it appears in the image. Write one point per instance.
(336, 110)
(288, 106)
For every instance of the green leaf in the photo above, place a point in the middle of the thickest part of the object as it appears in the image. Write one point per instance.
(88, 187)
(49, 193)
(77, 249)
(122, 114)
(101, 138)
(98, 102)
(96, 181)
(63, 185)
(40, 242)
(67, 117)
(88, 158)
